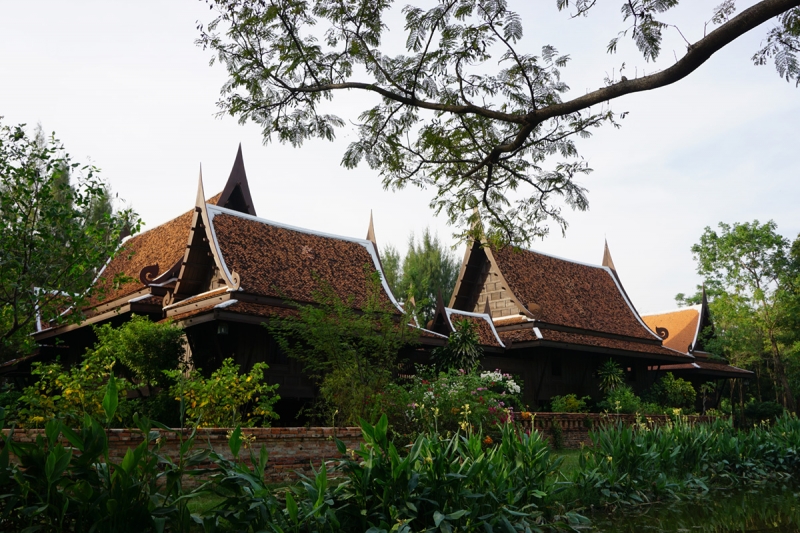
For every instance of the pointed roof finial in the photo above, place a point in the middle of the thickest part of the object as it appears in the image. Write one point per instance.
(607, 261)
(371, 231)
(236, 194)
(201, 195)
(487, 309)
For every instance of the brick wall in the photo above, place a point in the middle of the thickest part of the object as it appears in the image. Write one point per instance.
(575, 427)
(290, 449)
(294, 450)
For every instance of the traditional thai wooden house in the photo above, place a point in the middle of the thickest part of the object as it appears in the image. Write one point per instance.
(219, 272)
(554, 321)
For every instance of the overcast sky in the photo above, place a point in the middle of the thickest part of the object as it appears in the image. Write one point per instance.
(124, 86)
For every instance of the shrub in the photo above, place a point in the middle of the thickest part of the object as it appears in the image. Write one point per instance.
(621, 400)
(70, 394)
(143, 348)
(569, 404)
(226, 399)
(611, 376)
(348, 348)
(449, 401)
(673, 392)
(462, 351)
(763, 411)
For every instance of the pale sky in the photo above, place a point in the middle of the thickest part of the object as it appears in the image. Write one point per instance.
(124, 86)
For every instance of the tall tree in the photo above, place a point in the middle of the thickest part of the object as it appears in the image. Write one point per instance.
(463, 109)
(53, 238)
(428, 269)
(751, 268)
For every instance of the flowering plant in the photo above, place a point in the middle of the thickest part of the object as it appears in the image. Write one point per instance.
(451, 400)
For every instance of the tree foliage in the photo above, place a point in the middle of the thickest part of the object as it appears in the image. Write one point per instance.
(428, 269)
(463, 109)
(55, 235)
(753, 275)
(463, 349)
(350, 351)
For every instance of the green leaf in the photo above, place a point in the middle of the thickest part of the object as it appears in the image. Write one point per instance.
(111, 399)
(291, 507)
(457, 514)
(128, 461)
(72, 437)
(437, 518)
(235, 442)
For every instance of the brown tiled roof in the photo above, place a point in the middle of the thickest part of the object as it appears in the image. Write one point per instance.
(163, 245)
(680, 324)
(482, 327)
(700, 366)
(280, 262)
(528, 335)
(267, 311)
(570, 294)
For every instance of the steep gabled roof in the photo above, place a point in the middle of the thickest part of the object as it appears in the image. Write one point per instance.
(570, 294)
(143, 258)
(157, 254)
(679, 329)
(280, 261)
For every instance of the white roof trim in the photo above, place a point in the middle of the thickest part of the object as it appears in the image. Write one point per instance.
(538, 333)
(194, 296)
(448, 311)
(225, 304)
(427, 330)
(513, 317)
(214, 210)
(139, 298)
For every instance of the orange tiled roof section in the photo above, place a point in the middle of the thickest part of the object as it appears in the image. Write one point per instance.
(164, 244)
(527, 335)
(681, 325)
(570, 294)
(482, 327)
(283, 263)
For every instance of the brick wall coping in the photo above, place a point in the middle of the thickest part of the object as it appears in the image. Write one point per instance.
(214, 434)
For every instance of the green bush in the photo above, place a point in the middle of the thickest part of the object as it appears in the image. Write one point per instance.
(763, 411)
(569, 404)
(227, 398)
(137, 352)
(611, 376)
(71, 394)
(622, 399)
(672, 392)
(463, 349)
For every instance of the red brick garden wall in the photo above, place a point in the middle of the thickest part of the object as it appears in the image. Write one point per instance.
(290, 449)
(296, 449)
